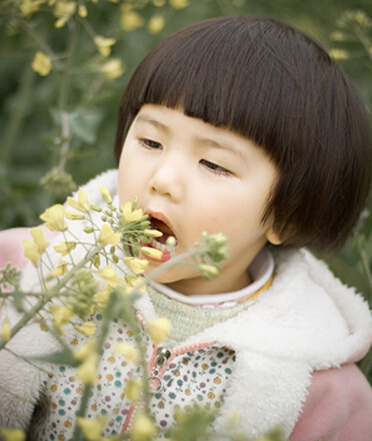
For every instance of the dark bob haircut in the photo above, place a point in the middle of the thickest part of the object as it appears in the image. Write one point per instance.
(274, 85)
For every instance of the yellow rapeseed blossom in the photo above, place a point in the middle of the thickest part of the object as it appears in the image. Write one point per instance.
(158, 3)
(151, 252)
(156, 24)
(92, 427)
(134, 282)
(61, 313)
(74, 215)
(104, 44)
(133, 389)
(6, 330)
(143, 427)
(82, 11)
(339, 54)
(39, 238)
(105, 195)
(158, 329)
(152, 233)
(131, 21)
(136, 265)
(85, 350)
(112, 69)
(102, 297)
(54, 218)
(129, 215)
(12, 434)
(28, 7)
(64, 10)
(179, 4)
(81, 204)
(87, 370)
(87, 328)
(110, 276)
(107, 236)
(41, 64)
(31, 251)
(61, 269)
(129, 352)
(65, 247)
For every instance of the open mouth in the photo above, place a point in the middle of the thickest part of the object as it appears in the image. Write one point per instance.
(160, 243)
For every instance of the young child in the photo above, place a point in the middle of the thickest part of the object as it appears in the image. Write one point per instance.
(245, 126)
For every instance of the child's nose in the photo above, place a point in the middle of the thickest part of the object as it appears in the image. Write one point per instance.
(169, 177)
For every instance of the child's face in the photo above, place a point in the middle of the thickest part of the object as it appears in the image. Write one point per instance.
(191, 177)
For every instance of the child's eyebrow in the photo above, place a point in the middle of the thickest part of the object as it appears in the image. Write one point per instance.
(223, 145)
(149, 120)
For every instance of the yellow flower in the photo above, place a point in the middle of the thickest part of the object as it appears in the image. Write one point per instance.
(85, 350)
(61, 314)
(136, 265)
(31, 251)
(131, 21)
(107, 236)
(65, 248)
(104, 44)
(155, 24)
(127, 351)
(82, 11)
(134, 282)
(112, 69)
(87, 371)
(152, 233)
(74, 215)
(133, 390)
(179, 4)
(105, 195)
(92, 427)
(339, 54)
(143, 427)
(12, 434)
(158, 329)
(101, 298)
(54, 218)
(129, 215)
(61, 269)
(158, 3)
(109, 274)
(41, 64)
(151, 252)
(64, 11)
(87, 328)
(39, 238)
(81, 204)
(28, 7)
(6, 332)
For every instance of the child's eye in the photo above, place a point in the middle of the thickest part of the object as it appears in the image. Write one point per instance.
(148, 143)
(215, 168)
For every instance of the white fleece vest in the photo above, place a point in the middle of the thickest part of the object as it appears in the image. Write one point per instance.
(307, 320)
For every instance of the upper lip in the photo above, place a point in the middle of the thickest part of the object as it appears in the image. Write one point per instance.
(160, 216)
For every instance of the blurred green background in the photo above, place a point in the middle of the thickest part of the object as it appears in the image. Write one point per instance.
(64, 65)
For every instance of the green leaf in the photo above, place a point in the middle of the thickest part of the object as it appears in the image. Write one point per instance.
(84, 124)
(64, 357)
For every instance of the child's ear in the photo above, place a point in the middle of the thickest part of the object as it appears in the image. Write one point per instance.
(273, 237)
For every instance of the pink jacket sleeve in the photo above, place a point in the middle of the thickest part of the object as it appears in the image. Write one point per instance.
(338, 407)
(10, 247)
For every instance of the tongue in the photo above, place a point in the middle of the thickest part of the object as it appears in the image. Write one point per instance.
(159, 225)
